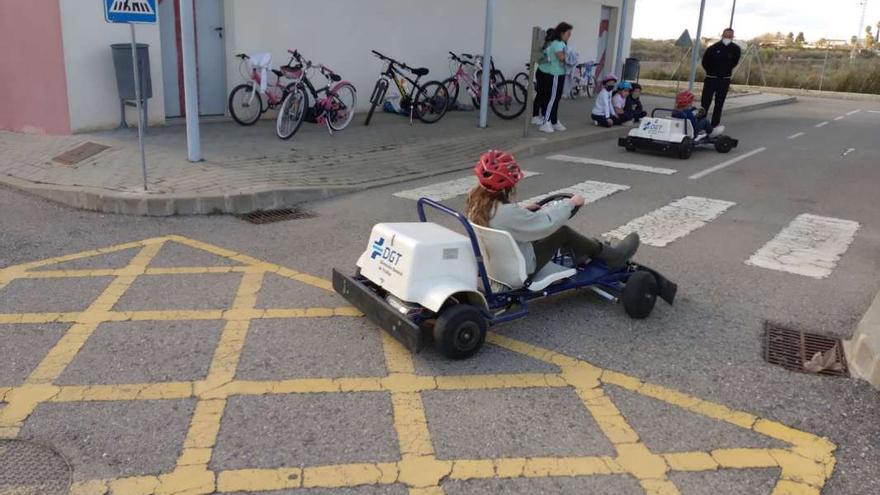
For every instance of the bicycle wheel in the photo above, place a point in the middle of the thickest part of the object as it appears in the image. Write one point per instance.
(508, 99)
(431, 102)
(523, 79)
(451, 85)
(588, 86)
(292, 112)
(343, 101)
(245, 105)
(377, 98)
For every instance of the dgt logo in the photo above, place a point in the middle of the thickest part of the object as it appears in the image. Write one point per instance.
(386, 253)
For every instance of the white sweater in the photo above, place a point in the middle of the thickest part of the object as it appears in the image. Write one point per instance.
(603, 105)
(526, 226)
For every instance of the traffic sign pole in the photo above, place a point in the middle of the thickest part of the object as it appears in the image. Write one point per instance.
(137, 97)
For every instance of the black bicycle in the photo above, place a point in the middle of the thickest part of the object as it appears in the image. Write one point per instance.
(426, 102)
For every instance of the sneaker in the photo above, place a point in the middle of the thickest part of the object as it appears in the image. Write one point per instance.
(537, 120)
(546, 127)
(717, 131)
(701, 136)
(559, 127)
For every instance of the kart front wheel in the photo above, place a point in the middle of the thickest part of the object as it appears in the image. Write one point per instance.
(639, 295)
(724, 144)
(460, 331)
(685, 148)
(630, 145)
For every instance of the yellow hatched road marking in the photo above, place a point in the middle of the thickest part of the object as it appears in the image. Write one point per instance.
(805, 467)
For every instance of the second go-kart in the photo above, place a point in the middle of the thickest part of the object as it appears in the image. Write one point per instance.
(673, 135)
(417, 275)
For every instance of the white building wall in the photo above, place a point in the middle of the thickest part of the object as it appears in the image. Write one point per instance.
(91, 79)
(341, 34)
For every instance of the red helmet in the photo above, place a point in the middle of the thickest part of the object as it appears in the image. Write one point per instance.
(684, 98)
(497, 171)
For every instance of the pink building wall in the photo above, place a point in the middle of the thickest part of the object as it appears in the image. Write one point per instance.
(33, 85)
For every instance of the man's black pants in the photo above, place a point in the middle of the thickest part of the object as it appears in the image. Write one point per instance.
(715, 87)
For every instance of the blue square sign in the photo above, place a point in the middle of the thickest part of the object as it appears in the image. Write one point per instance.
(130, 11)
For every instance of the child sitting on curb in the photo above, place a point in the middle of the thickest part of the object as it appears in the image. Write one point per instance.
(618, 100)
(603, 111)
(633, 105)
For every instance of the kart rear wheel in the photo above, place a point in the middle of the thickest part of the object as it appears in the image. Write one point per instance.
(724, 144)
(460, 331)
(685, 148)
(639, 295)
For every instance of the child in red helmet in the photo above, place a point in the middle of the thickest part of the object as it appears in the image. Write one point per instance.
(684, 109)
(539, 232)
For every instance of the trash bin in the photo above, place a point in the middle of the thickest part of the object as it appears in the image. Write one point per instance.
(125, 76)
(631, 69)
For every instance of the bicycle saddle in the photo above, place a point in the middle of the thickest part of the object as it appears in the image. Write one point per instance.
(277, 72)
(421, 71)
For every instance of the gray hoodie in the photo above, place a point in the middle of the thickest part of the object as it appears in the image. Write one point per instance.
(528, 226)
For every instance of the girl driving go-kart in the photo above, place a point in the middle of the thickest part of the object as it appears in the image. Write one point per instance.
(539, 232)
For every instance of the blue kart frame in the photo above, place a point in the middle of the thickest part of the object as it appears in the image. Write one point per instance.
(609, 283)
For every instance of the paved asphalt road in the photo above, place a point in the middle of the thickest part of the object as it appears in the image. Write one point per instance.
(255, 403)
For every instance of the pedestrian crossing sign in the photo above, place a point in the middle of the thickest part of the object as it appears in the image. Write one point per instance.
(130, 11)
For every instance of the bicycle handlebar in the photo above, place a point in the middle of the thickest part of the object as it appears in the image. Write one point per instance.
(395, 62)
(242, 56)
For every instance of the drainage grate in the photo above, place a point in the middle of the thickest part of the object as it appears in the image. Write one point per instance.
(80, 153)
(271, 216)
(796, 351)
(31, 469)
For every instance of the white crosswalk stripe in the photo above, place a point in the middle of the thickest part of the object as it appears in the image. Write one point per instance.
(442, 191)
(810, 245)
(606, 163)
(673, 221)
(591, 190)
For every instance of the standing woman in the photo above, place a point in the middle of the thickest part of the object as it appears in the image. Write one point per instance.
(551, 79)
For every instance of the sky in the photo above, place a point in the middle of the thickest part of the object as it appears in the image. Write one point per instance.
(831, 19)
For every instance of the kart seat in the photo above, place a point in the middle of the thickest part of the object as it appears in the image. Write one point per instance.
(505, 263)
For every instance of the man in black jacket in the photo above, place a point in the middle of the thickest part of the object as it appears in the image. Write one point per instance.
(718, 62)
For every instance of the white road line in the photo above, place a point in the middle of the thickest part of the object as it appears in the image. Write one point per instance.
(605, 163)
(591, 190)
(810, 245)
(728, 163)
(822, 124)
(796, 135)
(839, 118)
(442, 191)
(675, 220)
(873, 111)
(848, 151)
(852, 112)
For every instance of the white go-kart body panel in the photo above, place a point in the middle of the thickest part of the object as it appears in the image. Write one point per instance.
(422, 263)
(660, 129)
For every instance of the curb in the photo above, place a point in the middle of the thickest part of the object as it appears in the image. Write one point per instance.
(863, 351)
(139, 203)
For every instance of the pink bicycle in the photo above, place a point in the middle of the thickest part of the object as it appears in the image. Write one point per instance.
(506, 97)
(246, 103)
(335, 108)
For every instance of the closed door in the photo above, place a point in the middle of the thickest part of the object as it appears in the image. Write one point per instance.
(211, 53)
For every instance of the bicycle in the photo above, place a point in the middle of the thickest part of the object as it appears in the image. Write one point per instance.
(335, 109)
(427, 102)
(583, 80)
(246, 101)
(504, 96)
(523, 79)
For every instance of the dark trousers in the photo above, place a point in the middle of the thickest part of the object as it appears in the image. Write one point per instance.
(567, 238)
(715, 87)
(549, 92)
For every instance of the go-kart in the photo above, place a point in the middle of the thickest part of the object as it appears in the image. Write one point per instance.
(672, 135)
(416, 274)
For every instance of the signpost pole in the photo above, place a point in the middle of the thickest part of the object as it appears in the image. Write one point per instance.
(137, 97)
(537, 38)
(487, 63)
(697, 43)
(190, 84)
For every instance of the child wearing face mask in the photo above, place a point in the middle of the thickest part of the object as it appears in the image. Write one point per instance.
(603, 110)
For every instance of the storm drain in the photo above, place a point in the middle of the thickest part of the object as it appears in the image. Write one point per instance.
(804, 352)
(272, 216)
(80, 153)
(31, 469)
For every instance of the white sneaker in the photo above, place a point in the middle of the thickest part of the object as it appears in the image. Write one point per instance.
(546, 127)
(701, 136)
(559, 127)
(537, 120)
(717, 131)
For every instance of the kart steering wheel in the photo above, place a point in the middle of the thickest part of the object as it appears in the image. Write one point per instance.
(553, 198)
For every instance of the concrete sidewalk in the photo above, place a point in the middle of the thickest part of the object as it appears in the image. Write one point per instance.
(249, 168)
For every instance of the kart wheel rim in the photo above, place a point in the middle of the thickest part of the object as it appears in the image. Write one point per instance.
(467, 336)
